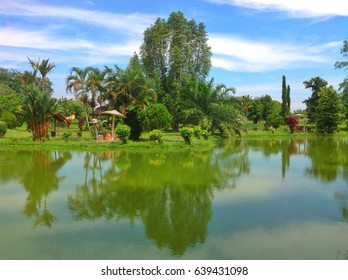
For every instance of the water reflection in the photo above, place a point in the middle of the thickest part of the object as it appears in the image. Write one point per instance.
(328, 156)
(172, 194)
(38, 175)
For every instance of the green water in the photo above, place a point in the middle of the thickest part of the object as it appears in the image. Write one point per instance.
(274, 199)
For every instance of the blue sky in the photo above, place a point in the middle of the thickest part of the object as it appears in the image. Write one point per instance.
(254, 42)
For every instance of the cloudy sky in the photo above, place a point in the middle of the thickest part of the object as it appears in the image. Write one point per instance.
(254, 42)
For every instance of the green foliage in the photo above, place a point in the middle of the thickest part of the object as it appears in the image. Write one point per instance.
(176, 49)
(186, 133)
(255, 111)
(156, 116)
(3, 128)
(212, 105)
(197, 131)
(175, 52)
(66, 136)
(344, 97)
(123, 132)
(37, 110)
(344, 51)
(66, 107)
(327, 111)
(315, 84)
(205, 134)
(285, 99)
(133, 120)
(274, 120)
(269, 106)
(10, 119)
(156, 135)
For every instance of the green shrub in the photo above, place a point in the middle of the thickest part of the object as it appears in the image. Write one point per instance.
(205, 133)
(3, 128)
(123, 131)
(156, 135)
(133, 120)
(274, 120)
(197, 132)
(10, 119)
(66, 136)
(156, 116)
(186, 134)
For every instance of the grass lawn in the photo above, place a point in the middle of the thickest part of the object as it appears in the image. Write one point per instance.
(20, 137)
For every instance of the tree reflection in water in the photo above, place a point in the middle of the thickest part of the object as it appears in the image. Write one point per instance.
(38, 175)
(39, 179)
(171, 193)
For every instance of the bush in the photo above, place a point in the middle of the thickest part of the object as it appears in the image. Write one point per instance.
(3, 128)
(156, 135)
(66, 136)
(10, 119)
(156, 116)
(205, 133)
(197, 132)
(274, 120)
(186, 134)
(134, 122)
(292, 122)
(123, 131)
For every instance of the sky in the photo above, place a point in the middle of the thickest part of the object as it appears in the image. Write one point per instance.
(254, 42)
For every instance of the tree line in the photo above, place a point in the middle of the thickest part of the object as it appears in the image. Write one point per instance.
(163, 87)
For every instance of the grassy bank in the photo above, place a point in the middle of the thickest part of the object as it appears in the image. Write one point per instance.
(21, 138)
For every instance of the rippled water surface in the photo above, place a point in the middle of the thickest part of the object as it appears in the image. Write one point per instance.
(274, 199)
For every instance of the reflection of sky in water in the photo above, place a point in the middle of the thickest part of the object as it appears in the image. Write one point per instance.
(256, 214)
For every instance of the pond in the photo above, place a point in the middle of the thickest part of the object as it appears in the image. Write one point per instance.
(260, 199)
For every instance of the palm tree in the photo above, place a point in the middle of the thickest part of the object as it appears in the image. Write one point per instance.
(130, 87)
(38, 108)
(213, 106)
(44, 67)
(96, 85)
(78, 84)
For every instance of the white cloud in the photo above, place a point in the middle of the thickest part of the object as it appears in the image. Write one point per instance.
(238, 54)
(20, 38)
(295, 8)
(134, 23)
(20, 43)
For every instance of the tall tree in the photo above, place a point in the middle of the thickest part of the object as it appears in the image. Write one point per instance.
(96, 85)
(344, 97)
(38, 108)
(344, 85)
(327, 110)
(44, 67)
(285, 99)
(175, 52)
(77, 83)
(315, 84)
(288, 98)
